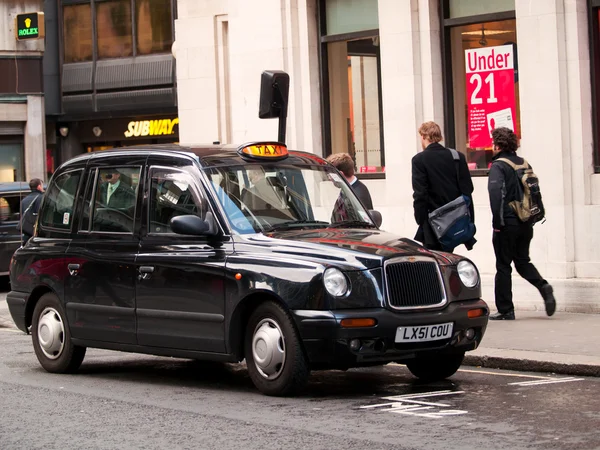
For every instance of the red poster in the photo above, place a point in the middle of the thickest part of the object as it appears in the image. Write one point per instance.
(490, 92)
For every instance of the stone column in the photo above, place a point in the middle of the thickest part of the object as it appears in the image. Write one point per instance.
(35, 138)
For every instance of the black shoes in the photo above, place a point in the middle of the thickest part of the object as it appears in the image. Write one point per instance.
(549, 300)
(503, 316)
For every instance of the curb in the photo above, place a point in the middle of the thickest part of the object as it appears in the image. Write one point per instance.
(529, 365)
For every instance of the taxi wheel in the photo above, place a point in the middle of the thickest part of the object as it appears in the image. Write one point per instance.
(52, 339)
(274, 354)
(435, 368)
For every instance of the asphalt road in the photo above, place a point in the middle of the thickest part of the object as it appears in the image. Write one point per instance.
(120, 400)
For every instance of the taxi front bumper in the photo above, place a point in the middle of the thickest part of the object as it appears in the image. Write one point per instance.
(328, 344)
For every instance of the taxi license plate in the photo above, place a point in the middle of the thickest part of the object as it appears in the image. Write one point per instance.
(424, 333)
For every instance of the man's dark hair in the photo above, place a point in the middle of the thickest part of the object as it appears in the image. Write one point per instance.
(505, 139)
(34, 183)
(342, 162)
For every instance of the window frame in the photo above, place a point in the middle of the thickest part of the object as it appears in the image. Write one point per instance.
(447, 81)
(94, 173)
(324, 39)
(93, 3)
(75, 201)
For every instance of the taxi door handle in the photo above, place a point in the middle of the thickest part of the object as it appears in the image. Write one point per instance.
(145, 272)
(74, 269)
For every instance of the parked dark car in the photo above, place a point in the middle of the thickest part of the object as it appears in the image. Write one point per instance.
(11, 195)
(227, 253)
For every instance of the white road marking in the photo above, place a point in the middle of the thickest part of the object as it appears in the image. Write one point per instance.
(546, 381)
(518, 375)
(409, 404)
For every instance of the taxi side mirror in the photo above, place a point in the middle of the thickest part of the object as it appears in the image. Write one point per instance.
(274, 92)
(192, 225)
(376, 216)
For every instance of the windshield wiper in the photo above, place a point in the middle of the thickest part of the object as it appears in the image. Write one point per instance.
(352, 223)
(296, 224)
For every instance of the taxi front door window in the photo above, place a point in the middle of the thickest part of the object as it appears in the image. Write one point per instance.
(171, 195)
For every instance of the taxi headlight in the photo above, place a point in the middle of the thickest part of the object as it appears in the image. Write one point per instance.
(468, 274)
(335, 282)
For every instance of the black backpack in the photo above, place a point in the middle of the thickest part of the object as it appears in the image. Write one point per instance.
(529, 206)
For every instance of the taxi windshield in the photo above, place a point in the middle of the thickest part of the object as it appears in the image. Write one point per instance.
(265, 197)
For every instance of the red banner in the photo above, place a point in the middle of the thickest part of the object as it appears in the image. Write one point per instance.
(490, 92)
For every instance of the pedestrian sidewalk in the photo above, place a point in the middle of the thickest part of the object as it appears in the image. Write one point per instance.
(565, 343)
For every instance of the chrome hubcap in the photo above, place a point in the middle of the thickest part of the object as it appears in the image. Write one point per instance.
(51, 333)
(268, 349)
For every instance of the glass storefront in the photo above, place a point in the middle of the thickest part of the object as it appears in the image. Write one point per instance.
(351, 66)
(481, 75)
(477, 36)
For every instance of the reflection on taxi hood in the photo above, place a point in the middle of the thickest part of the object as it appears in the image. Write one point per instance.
(367, 247)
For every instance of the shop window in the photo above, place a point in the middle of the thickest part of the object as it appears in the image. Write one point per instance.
(113, 21)
(594, 21)
(11, 162)
(154, 27)
(351, 72)
(482, 77)
(465, 8)
(77, 33)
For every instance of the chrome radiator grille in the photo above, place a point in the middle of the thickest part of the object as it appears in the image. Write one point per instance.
(414, 284)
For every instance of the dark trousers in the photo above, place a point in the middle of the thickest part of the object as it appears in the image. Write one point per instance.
(511, 244)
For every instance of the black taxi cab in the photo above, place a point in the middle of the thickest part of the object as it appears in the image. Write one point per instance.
(232, 253)
(227, 253)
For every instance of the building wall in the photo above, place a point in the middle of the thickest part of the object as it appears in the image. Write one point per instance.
(219, 74)
(19, 106)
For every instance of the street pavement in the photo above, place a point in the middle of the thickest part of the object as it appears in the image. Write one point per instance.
(565, 343)
(130, 401)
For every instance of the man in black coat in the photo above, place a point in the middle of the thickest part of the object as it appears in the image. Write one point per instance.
(30, 206)
(345, 164)
(114, 193)
(511, 237)
(434, 183)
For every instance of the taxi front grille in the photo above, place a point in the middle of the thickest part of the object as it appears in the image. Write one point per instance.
(414, 285)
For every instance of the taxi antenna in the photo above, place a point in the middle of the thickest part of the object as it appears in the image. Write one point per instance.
(274, 93)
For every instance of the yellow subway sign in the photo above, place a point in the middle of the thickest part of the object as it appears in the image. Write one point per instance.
(29, 26)
(158, 127)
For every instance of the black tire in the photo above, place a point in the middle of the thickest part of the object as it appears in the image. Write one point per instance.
(294, 371)
(66, 358)
(435, 368)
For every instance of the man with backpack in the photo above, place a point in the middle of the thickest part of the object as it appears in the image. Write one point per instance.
(516, 204)
(30, 206)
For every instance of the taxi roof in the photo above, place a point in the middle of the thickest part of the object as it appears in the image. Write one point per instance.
(208, 155)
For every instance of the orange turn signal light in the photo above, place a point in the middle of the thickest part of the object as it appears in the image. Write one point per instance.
(358, 323)
(472, 313)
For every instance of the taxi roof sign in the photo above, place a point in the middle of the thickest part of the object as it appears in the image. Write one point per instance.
(264, 150)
